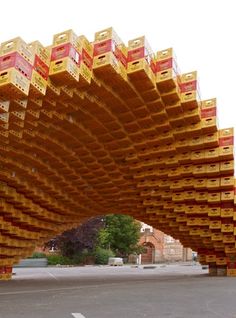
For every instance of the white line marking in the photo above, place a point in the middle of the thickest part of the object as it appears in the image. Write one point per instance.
(124, 283)
(54, 277)
(78, 315)
(35, 291)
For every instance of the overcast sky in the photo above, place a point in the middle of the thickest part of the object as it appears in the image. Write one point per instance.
(202, 33)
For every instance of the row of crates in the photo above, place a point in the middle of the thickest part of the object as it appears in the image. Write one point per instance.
(27, 69)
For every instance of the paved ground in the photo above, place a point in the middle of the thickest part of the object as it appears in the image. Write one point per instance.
(175, 291)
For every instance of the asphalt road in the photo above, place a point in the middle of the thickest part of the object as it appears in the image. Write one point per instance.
(175, 291)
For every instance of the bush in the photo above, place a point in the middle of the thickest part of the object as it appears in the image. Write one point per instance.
(38, 255)
(102, 255)
(57, 259)
(78, 259)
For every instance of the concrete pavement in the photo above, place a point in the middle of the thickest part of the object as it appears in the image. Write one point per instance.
(176, 291)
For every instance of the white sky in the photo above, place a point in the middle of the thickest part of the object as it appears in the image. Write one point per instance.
(202, 33)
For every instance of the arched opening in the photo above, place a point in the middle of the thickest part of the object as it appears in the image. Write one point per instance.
(127, 137)
(150, 246)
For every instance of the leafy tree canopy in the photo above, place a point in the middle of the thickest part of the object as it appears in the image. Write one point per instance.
(77, 240)
(116, 232)
(120, 234)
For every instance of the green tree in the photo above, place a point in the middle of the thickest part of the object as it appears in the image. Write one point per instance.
(121, 234)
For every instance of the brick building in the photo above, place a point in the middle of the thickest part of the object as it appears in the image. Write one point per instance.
(159, 247)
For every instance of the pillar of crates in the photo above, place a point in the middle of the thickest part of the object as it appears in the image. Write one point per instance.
(93, 128)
